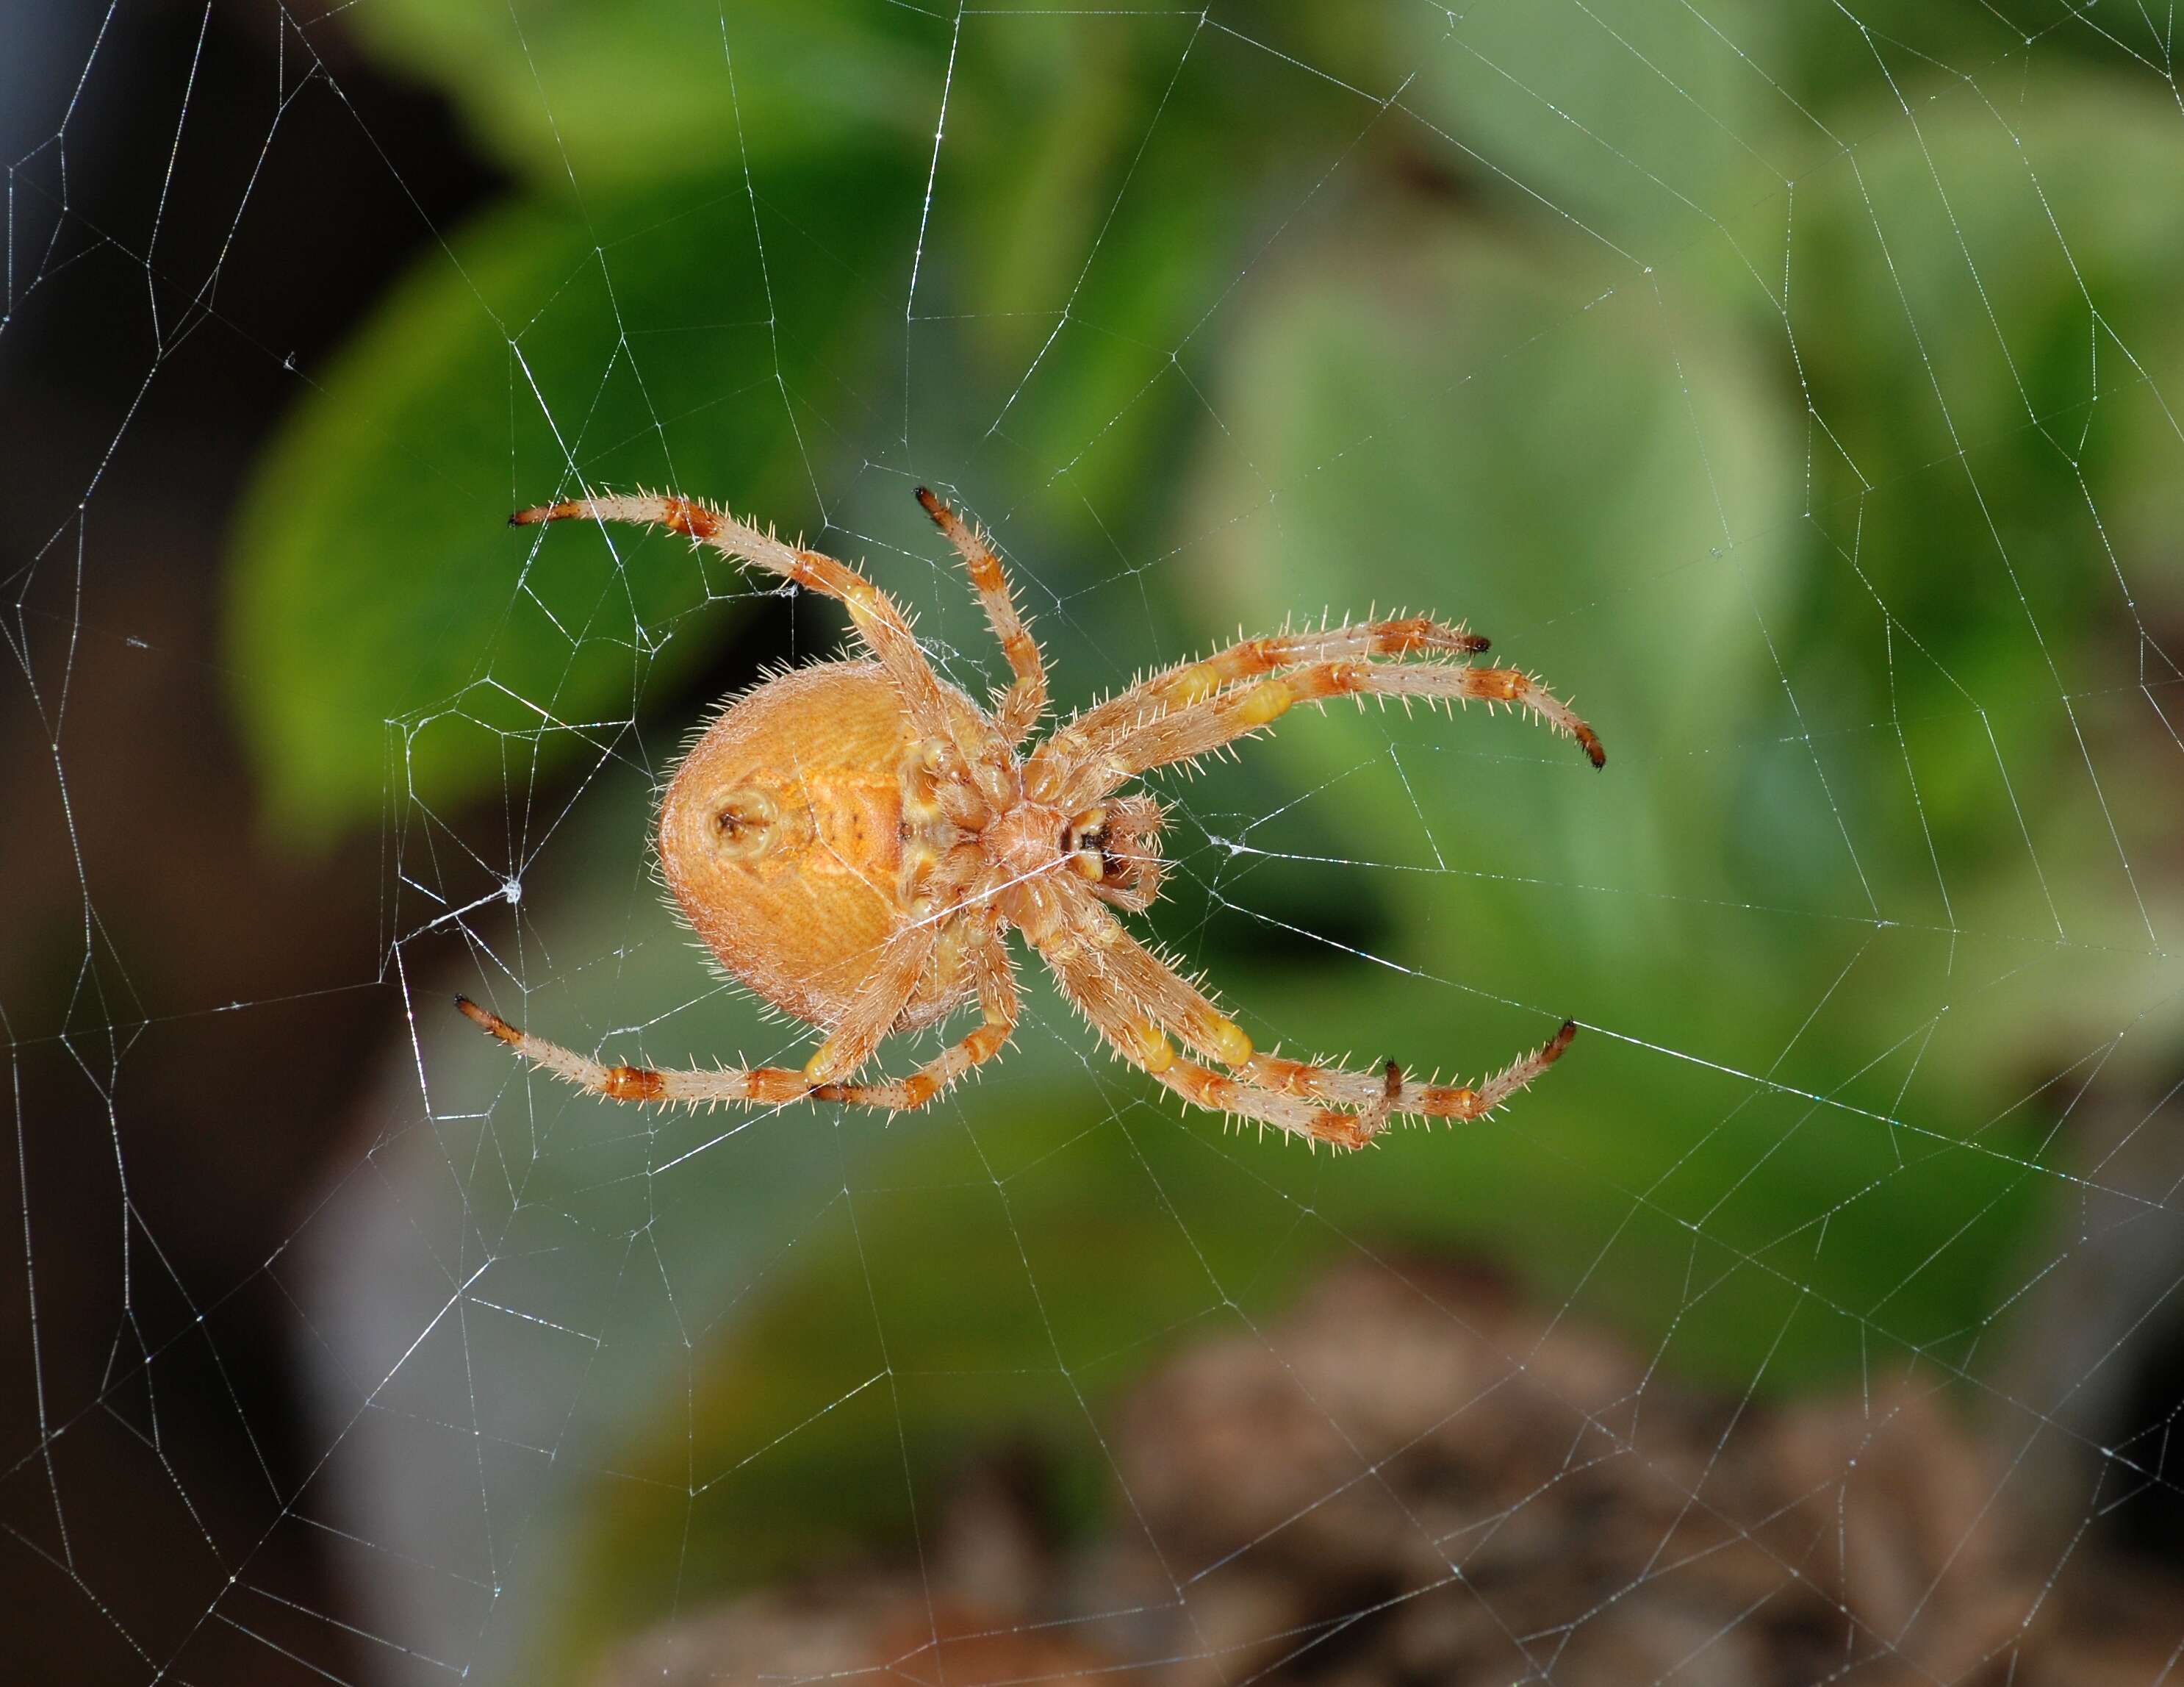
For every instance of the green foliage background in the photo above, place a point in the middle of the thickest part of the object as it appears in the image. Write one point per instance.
(1805, 412)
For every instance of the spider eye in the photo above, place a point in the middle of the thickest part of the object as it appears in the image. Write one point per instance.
(744, 825)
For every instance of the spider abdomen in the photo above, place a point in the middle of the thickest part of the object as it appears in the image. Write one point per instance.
(783, 835)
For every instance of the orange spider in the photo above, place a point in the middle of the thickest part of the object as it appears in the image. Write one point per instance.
(853, 839)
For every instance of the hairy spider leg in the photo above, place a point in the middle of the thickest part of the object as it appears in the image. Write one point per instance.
(1389, 1093)
(1192, 682)
(1019, 710)
(1181, 1009)
(777, 1086)
(878, 1003)
(877, 617)
(758, 1085)
(1156, 989)
(1122, 1023)
(876, 1006)
(1000, 1003)
(1372, 1119)
(1196, 729)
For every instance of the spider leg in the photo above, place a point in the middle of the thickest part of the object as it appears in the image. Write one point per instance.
(997, 997)
(1177, 1006)
(1192, 682)
(777, 1085)
(1100, 998)
(1169, 1000)
(877, 617)
(1208, 1089)
(877, 1004)
(1380, 1097)
(1019, 711)
(1194, 729)
(1373, 1118)
(759, 1085)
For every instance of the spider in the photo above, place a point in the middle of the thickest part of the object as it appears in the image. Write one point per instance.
(853, 840)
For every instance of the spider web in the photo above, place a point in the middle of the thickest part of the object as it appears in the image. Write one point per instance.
(1793, 388)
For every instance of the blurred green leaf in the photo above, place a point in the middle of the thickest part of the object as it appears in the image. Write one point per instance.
(387, 631)
(1996, 480)
(1645, 131)
(610, 95)
(1456, 425)
(1108, 181)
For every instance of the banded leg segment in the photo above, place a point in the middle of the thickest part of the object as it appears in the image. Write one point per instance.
(758, 1086)
(1019, 711)
(1180, 1008)
(877, 1004)
(1205, 1088)
(1099, 995)
(1196, 729)
(1193, 681)
(878, 619)
(1169, 1000)
(1379, 1096)
(777, 1086)
(1000, 1003)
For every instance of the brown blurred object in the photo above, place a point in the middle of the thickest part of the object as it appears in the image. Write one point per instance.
(964, 1619)
(1414, 1477)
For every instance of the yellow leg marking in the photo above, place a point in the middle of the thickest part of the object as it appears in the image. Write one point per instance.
(1230, 1043)
(1198, 685)
(1265, 702)
(1150, 1046)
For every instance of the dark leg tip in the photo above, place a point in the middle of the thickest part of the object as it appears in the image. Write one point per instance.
(485, 1021)
(930, 504)
(1553, 1051)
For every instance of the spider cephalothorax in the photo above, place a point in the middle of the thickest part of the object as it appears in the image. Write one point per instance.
(854, 839)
